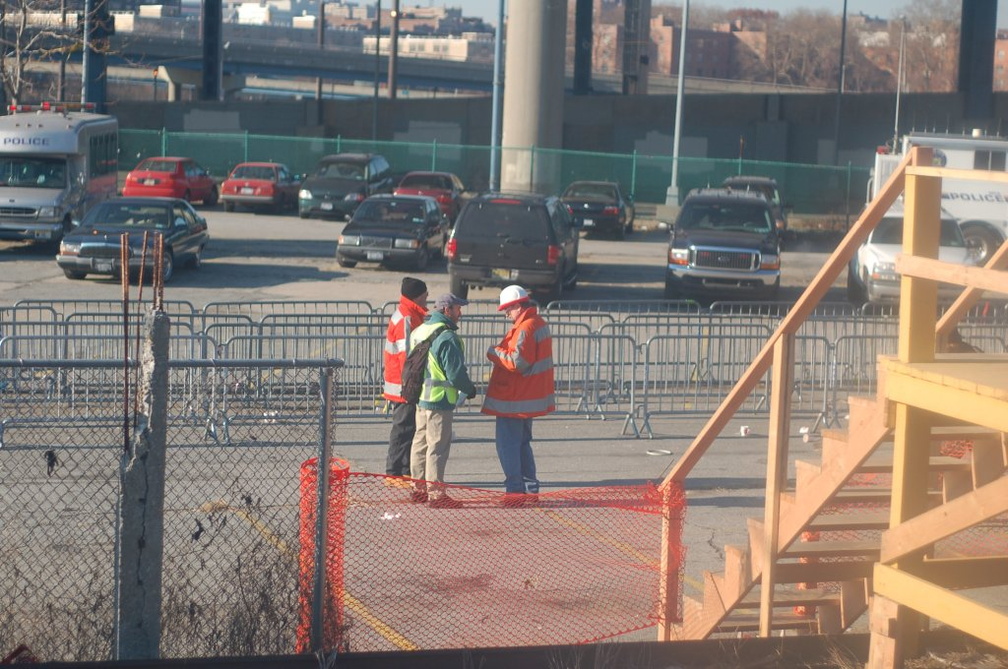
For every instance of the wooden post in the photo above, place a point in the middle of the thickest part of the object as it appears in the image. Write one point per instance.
(776, 477)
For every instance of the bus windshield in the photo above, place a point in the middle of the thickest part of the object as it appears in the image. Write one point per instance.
(27, 171)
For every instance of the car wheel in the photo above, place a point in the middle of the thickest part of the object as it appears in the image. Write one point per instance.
(211, 198)
(197, 259)
(422, 259)
(459, 288)
(229, 206)
(855, 291)
(983, 239)
(167, 266)
(343, 262)
(74, 274)
(671, 292)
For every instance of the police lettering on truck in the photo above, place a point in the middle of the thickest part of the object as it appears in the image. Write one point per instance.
(981, 208)
(55, 164)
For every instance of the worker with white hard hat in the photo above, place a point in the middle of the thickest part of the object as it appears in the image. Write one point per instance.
(520, 389)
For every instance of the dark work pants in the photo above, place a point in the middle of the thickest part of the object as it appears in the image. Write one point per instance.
(397, 463)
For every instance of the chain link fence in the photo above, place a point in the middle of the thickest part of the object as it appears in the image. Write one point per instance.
(810, 189)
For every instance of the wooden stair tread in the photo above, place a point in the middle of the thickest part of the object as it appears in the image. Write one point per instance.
(941, 463)
(795, 597)
(869, 520)
(820, 549)
(749, 622)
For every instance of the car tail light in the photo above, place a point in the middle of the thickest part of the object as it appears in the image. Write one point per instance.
(553, 253)
(451, 249)
(570, 209)
(444, 198)
(611, 211)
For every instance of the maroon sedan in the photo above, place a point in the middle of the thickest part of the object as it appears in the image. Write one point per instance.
(444, 187)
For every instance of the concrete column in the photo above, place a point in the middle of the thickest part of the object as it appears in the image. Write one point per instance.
(533, 95)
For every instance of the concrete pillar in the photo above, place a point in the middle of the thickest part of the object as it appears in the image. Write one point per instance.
(533, 95)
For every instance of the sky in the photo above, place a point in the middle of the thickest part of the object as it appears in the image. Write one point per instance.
(487, 9)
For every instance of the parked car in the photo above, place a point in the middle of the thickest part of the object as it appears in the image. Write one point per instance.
(502, 239)
(871, 274)
(341, 182)
(394, 229)
(768, 187)
(260, 186)
(601, 206)
(172, 177)
(724, 242)
(444, 187)
(93, 247)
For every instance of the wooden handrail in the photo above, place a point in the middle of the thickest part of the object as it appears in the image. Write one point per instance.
(805, 305)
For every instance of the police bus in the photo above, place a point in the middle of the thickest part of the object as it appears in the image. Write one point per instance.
(56, 162)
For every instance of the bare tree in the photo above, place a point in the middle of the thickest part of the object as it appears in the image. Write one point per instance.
(30, 32)
(932, 44)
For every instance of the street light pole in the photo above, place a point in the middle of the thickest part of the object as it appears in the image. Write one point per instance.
(377, 71)
(495, 115)
(321, 46)
(840, 86)
(393, 50)
(672, 195)
(899, 81)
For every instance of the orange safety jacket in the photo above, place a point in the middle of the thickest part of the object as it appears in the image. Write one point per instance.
(521, 383)
(407, 318)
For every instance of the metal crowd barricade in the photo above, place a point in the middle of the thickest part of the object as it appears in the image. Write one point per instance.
(855, 362)
(338, 324)
(613, 380)
(256, 310)
(71, 346)
(102, 306)
(618, 308)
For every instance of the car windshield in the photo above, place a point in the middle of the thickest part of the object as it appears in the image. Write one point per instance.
(253, 172)
(33, 172)
(890, 231)
(594, 191)
(738, 217)
(353, 171)
(389, 211)
(156, 165)
(425, 181)
(128, 214)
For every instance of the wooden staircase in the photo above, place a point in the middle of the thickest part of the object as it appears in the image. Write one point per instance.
(862, 527)
(829, 532)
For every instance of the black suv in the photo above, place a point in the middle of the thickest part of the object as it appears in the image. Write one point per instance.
(341, 182)
(724, 241)
(502, 239)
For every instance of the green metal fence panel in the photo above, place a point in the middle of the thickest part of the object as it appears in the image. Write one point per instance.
(809, 189)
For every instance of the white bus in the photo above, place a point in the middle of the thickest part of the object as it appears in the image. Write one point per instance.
(980, 207)
(55, 164)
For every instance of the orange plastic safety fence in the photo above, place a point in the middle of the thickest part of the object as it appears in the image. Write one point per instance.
(570, 566)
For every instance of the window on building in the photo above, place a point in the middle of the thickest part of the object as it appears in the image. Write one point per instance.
(989, 160)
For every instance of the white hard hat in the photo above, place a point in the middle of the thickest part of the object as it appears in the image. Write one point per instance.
(511, 296)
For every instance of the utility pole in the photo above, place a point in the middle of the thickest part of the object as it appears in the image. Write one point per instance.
(393, 50)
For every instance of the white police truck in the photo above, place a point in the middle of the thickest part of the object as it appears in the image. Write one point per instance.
(981, 208)
(55, 164)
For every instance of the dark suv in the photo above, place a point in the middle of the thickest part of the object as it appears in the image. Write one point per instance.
(503, 239)
(341, 182)
(724, 242)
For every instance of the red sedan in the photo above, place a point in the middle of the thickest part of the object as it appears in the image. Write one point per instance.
(260, 186)
(171, 176)
(444, 187)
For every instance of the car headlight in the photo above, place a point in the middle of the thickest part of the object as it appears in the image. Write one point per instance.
(678, 256)
(47, 212)
(884, 271)
(354, 197)
(406, 244)
(769, 261)
(304, 194)
(69, 248)
(349, 240)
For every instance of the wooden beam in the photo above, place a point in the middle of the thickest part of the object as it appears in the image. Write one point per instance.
(992, 280)
(952, 173)
(953, 609)
(929, 391)
(969, 297)
(918, 308)
(931, 526)
(971, 572)
(777, 467)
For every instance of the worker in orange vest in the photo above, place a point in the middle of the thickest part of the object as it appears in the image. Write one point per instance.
(520, 389)
(407, 317)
